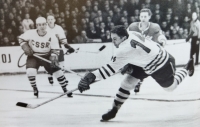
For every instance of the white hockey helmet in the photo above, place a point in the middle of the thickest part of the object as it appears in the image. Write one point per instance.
(41, 20)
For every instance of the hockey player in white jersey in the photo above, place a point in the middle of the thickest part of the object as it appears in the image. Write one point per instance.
(139, 58)
(60, 34)
(45, 44)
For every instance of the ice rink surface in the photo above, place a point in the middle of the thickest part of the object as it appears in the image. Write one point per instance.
(152, 107)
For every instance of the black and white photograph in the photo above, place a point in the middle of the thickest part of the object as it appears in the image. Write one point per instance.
(99, 63)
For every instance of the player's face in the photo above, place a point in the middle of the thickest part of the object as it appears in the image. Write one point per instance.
(51, 20)
(194, 16)
(144, 17)
(117, 40)
(41, 26)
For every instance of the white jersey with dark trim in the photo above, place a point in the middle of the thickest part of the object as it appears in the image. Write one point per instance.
(138, 51)
(41, 45)
(58, 31)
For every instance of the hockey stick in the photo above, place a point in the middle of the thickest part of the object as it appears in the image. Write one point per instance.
(100, 49)
(32, 106)
(39, 57)
(26, 105)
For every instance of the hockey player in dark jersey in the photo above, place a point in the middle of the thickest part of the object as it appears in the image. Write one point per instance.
(149, 30)
(137, 58)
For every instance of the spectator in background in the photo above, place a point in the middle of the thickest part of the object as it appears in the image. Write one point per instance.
(83, 25)
(188, 10)
(14, 27)
(169, 20)
(83, 10)
(174, 34)
(2, 16)
(35, 13)
(62, 16)
(20, 30)
(31, 26)
(164, 26)
(100, 16)
(19, 20)
(195, 35)
(43, 10)
(14, 12)
(180, 33)
(88, 6)
(73, 32)
(56, 12)
(167, 35)
(186, 23)
(178, 8)
(108, 21)
(58, 20)
(6, 41)
(117, 16)
(94, 11)
(107, 37)
(26, 22)
(10, 19)
(132, 19)
(92, 32)
(3, 27)
(102, 29)
(157, 19)
(82, 38)
(1, 38)
(10, 35)
(185, 33)
(87, 17)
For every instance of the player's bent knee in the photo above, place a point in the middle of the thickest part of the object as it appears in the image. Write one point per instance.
(58, 73)
(171, 88)
(129, 82)
(31, 72)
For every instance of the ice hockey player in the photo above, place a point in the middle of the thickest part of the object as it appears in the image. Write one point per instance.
(149, 30)
(45, 44)
(60, 34)
(139, 58)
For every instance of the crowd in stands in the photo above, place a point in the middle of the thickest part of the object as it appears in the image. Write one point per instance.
(93, 19)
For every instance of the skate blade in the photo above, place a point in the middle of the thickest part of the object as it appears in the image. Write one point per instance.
(104, 120)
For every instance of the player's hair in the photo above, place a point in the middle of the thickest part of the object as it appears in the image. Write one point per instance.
(51, 15)
(146, 10)
(120, 30)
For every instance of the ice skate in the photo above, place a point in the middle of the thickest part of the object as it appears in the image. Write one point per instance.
(50, 80)
(35, 91)
(109, 115)
(65, 91)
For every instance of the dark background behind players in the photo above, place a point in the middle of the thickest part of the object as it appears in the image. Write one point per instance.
(171, 15)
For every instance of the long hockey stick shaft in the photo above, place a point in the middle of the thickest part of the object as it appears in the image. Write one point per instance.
(39, 57)
(52, 99)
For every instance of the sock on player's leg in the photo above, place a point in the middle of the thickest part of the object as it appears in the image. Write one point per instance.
(62, 81)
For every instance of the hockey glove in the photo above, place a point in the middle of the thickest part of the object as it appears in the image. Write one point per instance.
(70, 49)
(127, 69)
(27, 50)
(54, 61)
(86, 81)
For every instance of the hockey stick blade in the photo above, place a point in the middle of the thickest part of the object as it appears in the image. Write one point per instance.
(21, 104)
(25, 105)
